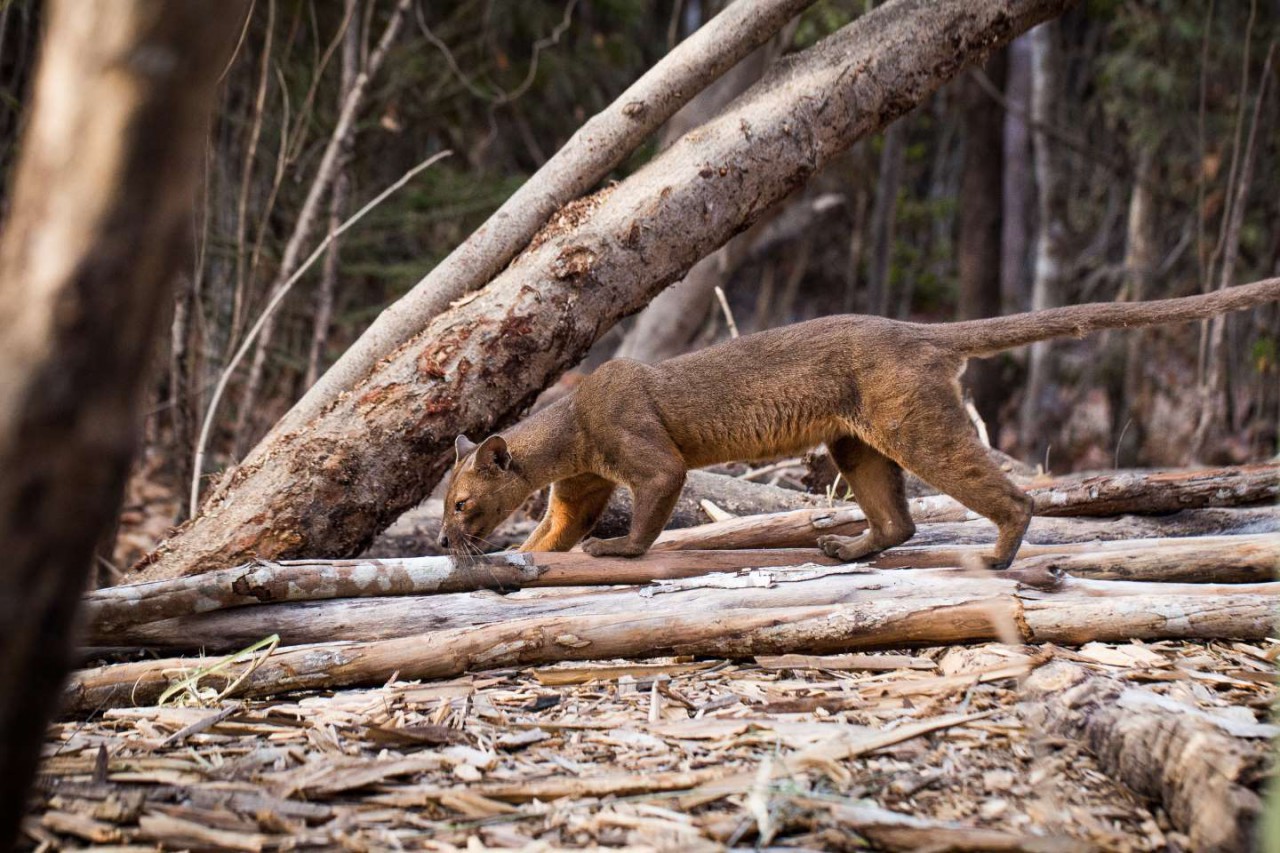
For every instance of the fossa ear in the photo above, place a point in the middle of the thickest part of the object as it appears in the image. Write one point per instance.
(461, 447)
(492, 454)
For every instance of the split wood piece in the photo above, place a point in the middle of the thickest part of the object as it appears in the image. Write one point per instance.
(731, 494)
(416, 532)
(1110, 494)
(264, 582)
(1205, 777)
(384, 618)
(985, 611)
(1206, 559)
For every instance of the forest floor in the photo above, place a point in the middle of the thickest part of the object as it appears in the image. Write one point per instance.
(668, 754)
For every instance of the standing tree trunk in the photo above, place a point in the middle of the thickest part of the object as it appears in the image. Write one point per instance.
(1051, 236)
(883, 213)
(980, 226)
(1140, 268)
(1016, 186)
(379, 449)
(100, 224)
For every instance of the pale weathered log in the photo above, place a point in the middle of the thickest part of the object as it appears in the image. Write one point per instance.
(1208, 559)
(266, 582)
(835, 609)
(415, 533)
(1124, 492)
(378, 449)
(1048, 531)
(1214, 559)
(1205, 772)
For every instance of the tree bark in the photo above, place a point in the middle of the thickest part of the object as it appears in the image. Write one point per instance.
(378, 449)
(978, 252)
(596, 149)
(1166, 491)
(905, 609)
(100, 224)
(1204, 775)
(667, 326)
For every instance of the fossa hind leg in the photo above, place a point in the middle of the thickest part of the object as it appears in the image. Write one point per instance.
(938, 444)
(876, 482)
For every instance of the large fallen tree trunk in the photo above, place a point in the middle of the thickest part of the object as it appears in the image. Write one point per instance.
(970, 610)
(597, 148)
(1198, 767)
(1152, 492)
(378, 449)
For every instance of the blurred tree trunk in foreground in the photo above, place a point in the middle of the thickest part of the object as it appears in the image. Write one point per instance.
(378, 449)
(99, 223)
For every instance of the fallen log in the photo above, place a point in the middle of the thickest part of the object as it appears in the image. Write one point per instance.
(1053, 531)
(1196, 766)
(1219, 559)
(1205, 559)
(265, 582)
(863, 608)
(1110, 494)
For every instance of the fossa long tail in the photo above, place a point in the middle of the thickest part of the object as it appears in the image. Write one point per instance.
(990, 336)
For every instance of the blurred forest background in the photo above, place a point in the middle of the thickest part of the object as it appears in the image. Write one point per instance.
(1128, 150)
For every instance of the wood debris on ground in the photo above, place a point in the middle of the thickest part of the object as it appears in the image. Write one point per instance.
(928, 748)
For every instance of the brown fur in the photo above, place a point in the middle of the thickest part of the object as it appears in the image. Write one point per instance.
(882, 395)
